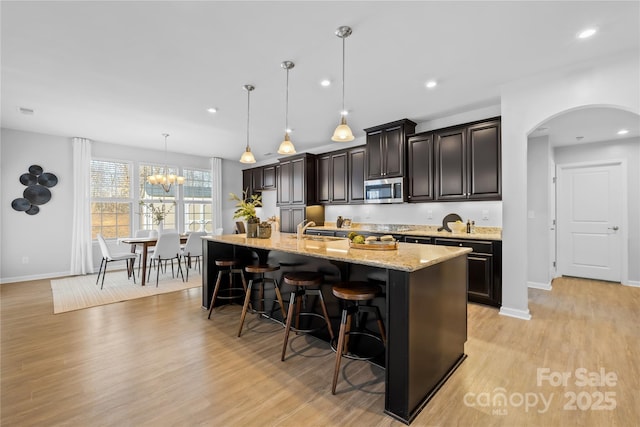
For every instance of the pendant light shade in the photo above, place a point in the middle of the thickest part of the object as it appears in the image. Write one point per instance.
(286, 146)
(247, 156)
(343, 131)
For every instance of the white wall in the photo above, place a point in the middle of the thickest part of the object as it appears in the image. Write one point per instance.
(629, 151)
(44, 239)
(538, 221)
(35, 246)
(526, 104)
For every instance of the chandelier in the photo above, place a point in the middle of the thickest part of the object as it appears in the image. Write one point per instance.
(166, 180)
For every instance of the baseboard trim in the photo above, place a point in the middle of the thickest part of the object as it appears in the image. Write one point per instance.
(538, 285)
(633, 283)
(4, 280)
(514, 312)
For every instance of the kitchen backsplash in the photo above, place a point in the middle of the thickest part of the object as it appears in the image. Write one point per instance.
(485, 214)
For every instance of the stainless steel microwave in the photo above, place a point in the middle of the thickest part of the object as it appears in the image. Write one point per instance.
(389, 190)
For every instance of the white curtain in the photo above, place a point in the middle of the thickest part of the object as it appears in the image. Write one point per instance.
(81, 243)
(216, 188)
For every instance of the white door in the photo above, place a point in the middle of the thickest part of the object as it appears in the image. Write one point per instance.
(590, 205)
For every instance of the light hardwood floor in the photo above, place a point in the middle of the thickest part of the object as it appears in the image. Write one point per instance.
(158, 361)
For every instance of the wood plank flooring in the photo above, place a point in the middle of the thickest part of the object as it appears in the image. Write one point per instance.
(158, 361)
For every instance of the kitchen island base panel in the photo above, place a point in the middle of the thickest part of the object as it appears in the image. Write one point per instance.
(427, 329)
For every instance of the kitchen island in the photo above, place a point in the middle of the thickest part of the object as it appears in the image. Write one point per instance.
(425, 303)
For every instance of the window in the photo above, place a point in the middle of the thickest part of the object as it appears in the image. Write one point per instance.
(110, 199)
(198, 215)
(153, 199)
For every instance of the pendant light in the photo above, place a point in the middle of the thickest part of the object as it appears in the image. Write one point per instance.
(286, 146)
(343, 132)
(166, 180)
(247, 156)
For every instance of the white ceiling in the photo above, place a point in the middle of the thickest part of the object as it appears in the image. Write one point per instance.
(126, 72)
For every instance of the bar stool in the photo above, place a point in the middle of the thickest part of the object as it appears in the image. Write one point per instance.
(301, 280)
(352, 293)
(226, 267)
(262, 280)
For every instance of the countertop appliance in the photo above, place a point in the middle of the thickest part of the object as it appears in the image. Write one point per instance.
(389, 190)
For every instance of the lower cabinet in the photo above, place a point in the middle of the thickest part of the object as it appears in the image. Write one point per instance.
(290, 217)
(484, 266)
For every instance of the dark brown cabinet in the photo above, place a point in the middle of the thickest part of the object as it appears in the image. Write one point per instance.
(420, 171)
(332, 177)
(255, 180)
(296, 180)
(386, 149)
(269, 177)
(290, 217)
(468, 162)
(484, 269)
(357, 174)
(296, 189)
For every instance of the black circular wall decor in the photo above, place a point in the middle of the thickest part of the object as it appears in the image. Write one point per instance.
(28, 179)
(35, 170)
(37, 192)
(32, 210)
(48, 179)
(20, 204)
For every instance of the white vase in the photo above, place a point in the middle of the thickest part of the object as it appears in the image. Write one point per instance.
(160, 227)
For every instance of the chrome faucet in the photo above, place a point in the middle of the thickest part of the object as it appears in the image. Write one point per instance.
(301, 228)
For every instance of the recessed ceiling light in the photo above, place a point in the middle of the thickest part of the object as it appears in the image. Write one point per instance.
(325, 83)
(585, 34)
(623, 132)
(431, 84)
(212, 110)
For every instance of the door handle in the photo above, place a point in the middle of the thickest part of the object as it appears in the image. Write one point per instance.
(614, 228)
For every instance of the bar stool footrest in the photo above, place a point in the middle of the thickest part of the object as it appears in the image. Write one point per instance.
(334, 343)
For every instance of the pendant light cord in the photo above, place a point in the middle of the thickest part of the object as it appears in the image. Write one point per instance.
(286, 108)
(248, 112)
(343, 48)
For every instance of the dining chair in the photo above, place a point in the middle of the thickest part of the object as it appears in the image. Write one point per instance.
(108, 257)
(167, 249)
(193, 249)
(142, 233)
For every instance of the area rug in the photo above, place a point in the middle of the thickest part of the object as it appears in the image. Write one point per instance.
(78, 292)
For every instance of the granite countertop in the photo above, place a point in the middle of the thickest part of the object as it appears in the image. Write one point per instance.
(408, 257)
(482, 233)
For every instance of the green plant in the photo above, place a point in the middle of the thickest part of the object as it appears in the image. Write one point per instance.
(246, 207)
(158, 212)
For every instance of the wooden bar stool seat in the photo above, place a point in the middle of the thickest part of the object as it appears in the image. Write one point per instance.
(301, 280)
(353, 293)
(228, 267)
(261, 280)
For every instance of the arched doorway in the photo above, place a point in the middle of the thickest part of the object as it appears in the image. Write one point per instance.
(570, 155)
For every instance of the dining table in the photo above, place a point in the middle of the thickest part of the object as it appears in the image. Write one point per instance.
(146, 243)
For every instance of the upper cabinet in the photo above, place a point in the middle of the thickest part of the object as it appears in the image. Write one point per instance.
(332, 169)
(296, 180)
(467, 162)
(357, 174)
(258, 179)
(386, 149)
(420, 167)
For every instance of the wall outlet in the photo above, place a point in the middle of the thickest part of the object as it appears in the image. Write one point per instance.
(25, 260)
(485, 214)
(429, 214)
